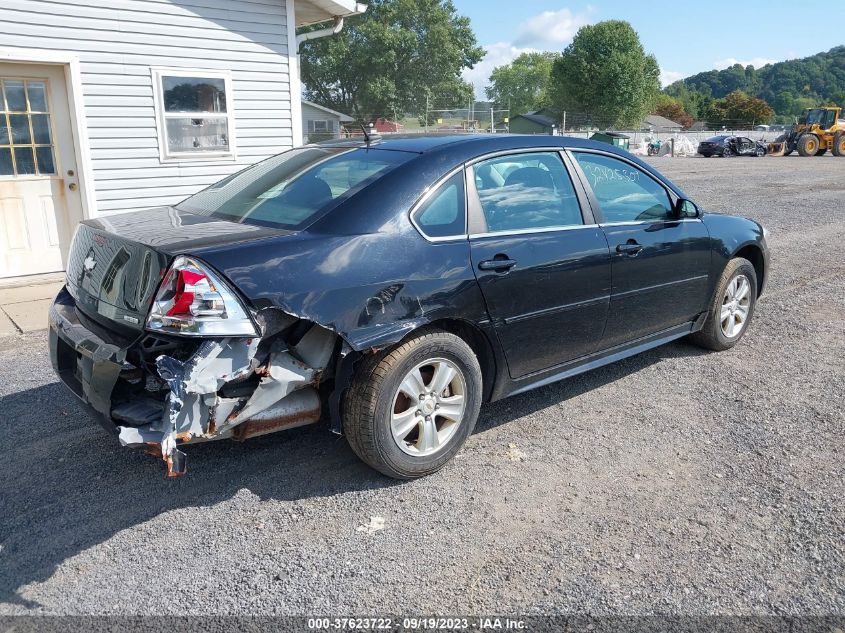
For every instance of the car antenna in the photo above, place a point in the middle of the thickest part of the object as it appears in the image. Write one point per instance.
(369, 134)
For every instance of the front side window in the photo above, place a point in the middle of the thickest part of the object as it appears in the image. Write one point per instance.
(624, 192)
(526, 191)
(26, 140)
(443, 214)
(195, 114)
(291, 190)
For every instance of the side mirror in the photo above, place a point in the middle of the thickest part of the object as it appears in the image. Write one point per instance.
(686, 209)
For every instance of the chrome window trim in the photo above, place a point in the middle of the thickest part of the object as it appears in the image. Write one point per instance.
(545, 229)
(424, 198)
(654, 221)
(532, 150)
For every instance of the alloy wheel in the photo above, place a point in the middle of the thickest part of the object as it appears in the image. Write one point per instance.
(428, 407)
(736, 305)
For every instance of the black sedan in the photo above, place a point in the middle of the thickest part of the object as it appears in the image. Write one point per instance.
(390, 289)
(726, 146)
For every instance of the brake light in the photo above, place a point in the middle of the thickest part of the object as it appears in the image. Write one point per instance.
(193, 301)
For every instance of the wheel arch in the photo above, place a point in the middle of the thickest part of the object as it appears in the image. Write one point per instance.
(481, 346)
(753, 253)
(471, 334)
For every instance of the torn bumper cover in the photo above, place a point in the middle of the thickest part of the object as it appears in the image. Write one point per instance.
(202, 390)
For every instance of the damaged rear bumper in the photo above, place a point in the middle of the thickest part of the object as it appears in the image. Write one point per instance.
(88, 363)
(200, 390)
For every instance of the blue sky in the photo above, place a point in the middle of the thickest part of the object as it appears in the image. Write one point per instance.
(686, 37)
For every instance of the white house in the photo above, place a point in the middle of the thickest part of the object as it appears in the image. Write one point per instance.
(320, 123)
(115, 105)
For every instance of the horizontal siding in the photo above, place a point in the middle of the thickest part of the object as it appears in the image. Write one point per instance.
(118, 41)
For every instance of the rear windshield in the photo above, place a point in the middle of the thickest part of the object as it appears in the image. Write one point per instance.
(715, 139)
(294, 188)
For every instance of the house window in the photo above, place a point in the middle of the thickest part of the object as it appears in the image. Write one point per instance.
(195, 117)
(319, 126)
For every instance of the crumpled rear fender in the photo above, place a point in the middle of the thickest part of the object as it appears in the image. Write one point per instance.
(372, 290)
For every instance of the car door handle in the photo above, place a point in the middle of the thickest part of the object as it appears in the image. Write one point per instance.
(498, 264)
(629, 248)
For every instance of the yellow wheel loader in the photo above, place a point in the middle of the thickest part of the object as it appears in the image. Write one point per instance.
(820, 130)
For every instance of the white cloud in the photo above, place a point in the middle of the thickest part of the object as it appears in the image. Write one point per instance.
(497, 54)
(551, 29)
(669, 76)
(757, 62)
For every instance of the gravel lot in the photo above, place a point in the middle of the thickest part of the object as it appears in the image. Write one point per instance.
(677, 481)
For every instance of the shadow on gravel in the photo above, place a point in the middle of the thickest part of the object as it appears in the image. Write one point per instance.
(504, 411)
(68, 486)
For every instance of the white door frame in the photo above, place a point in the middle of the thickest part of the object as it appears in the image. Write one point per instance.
(76, 106)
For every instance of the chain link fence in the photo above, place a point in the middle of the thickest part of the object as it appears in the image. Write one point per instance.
(486, 118)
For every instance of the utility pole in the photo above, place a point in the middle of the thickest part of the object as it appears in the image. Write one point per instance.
(492, 122)
(426, 112)
(563, 130)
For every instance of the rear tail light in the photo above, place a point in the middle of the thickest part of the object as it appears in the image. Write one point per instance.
(193, 301)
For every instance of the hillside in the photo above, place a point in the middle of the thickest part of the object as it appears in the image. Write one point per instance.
(786, 85)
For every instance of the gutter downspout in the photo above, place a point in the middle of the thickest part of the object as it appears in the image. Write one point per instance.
(313, 35)
(293, 61)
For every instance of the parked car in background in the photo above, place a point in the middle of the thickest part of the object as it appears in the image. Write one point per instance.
(731, 146)
(390, 287)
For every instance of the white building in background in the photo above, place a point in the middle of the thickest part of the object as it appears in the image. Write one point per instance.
(320, 123)
(116, 105)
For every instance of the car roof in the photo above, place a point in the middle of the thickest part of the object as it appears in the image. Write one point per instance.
(457, 148)
(425, 143)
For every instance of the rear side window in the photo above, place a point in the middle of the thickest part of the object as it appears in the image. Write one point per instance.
(526, 191)
(443, 214)
(292, 189)
(625, 193)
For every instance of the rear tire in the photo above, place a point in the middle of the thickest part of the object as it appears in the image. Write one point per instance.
(394, 430)
(723, 328)
(808, 145)
(839, 144)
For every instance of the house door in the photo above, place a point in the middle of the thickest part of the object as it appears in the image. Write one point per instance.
(40, 202)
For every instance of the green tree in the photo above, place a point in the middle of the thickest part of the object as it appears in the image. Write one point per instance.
(740, 110)
(784, 103)
(391, 59)
(819, 78)
(605, 73)
(673, 110)
(523, 85)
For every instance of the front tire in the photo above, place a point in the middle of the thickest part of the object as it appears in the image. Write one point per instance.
(409, 410)
(839, 144)
(731, 307)
(808, 145)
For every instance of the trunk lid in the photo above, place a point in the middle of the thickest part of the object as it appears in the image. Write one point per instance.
(116, 263)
